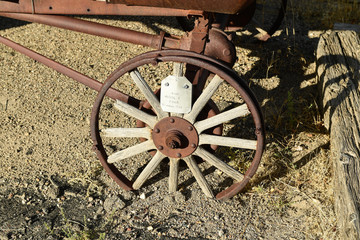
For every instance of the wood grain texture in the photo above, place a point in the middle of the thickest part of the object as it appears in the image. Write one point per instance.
(148, 93)
(200, 179)
(338, 62)
(136, 113)
(173, 174)
(150, 167)
(240, 111)
(227, 141)
(127, 132)
(213, 160)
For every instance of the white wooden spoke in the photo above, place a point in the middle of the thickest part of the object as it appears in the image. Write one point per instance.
(150, 167)
(239, 111)
(213, 160)
(131, 151)
(227, 141)
(136, 113)
(149, 94)
(173, 174)
(204, 98)
(127, 132)
(178, 69)
(194, 168)
(180, 115)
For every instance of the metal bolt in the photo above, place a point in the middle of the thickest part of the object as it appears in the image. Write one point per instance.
(178, 155)
(226, 52)
(166, 84)
(186, 86)
(190, 128)
(172, 120)
(160, 147)
(156, 130)
(193, 145)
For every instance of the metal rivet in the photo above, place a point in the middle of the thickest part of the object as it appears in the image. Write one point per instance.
(186, 86)
(193, 145)
(167, 84)
(226, 52)
(172, 120)
(160, 147)
(178, 154)
(156, 130)
(190, 128)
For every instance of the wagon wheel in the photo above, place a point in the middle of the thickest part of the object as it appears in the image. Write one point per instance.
(182, 135)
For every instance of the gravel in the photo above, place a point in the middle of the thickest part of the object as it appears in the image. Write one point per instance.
(44, 131)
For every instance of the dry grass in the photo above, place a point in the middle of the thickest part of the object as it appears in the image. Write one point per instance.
(296, 172)
(324, 13)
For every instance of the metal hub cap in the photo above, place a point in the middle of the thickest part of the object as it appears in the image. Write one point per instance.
(175, 137)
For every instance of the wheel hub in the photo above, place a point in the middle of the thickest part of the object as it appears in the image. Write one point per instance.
(175, 137)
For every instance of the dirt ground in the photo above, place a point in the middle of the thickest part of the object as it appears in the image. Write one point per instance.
(53, 187)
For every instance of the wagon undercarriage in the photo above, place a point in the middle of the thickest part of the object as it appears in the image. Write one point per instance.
(187, 115)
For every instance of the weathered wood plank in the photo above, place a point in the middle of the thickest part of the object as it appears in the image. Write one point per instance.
(338, 56)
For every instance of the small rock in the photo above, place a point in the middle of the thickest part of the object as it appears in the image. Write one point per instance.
(128, 195)
(150, 228)
(52, 192)
(70, 193)
(169, 199)
(221, 233)
(45, 210)
(179, 197)
(177, 211)
(172, 232)
(113, 203)
(100, 211)
(90, 199)
(217, 217)
(142, 196)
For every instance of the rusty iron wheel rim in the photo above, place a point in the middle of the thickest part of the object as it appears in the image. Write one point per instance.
(212, 65)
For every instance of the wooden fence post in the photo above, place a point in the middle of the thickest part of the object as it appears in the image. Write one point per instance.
(338, 69)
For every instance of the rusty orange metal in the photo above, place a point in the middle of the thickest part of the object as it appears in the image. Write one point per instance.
(89, 7)
(227, 6)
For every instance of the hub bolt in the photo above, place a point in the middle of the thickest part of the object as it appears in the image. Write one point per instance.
(190, 128)
(160, 147)
(178, 154)
(156, 130)
(193, 145)
(172, 120)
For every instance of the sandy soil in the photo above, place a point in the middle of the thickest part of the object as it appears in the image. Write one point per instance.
(52, 186)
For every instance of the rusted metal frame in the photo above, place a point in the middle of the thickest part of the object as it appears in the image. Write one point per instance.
(87, 81)
(97, 29)
(227, 6)
(89, 7)
(196, 41)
